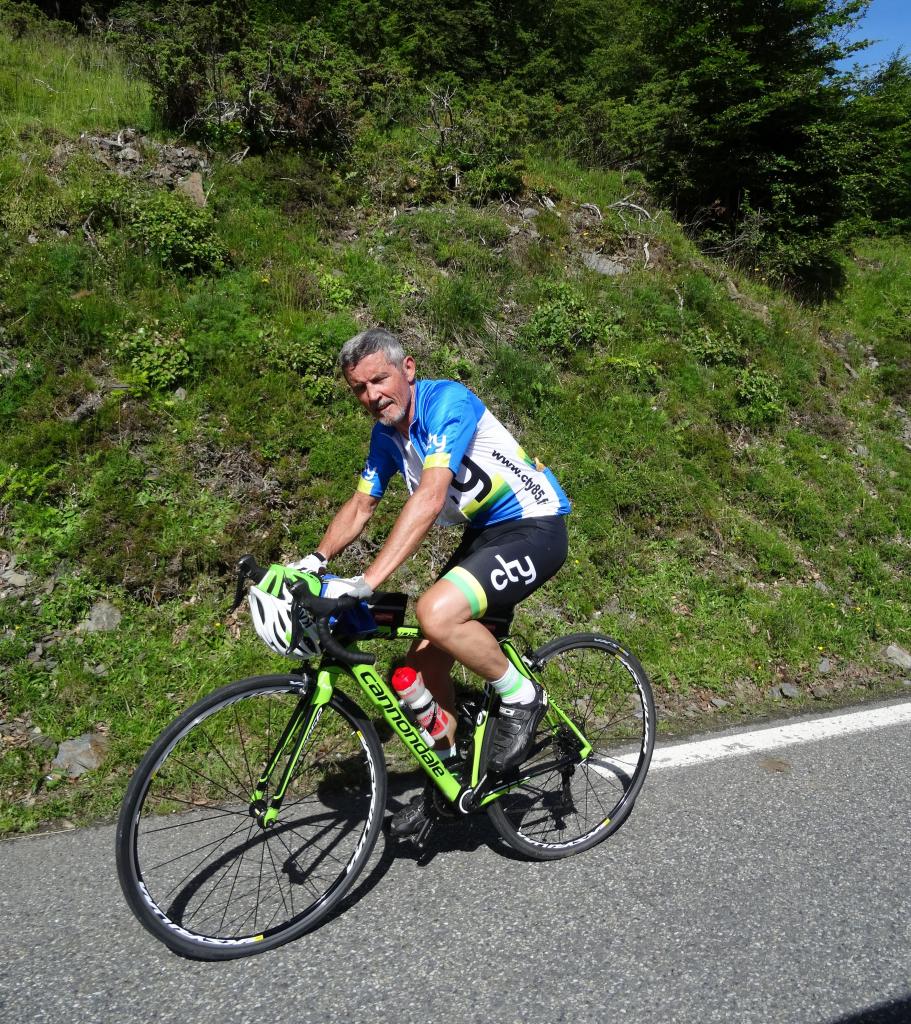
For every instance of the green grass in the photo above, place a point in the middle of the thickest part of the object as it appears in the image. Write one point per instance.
(50, 83)
(740, 497)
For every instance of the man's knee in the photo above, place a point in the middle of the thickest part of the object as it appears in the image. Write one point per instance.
(437, 613)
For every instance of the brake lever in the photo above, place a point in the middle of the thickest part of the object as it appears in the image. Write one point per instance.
(247, 568)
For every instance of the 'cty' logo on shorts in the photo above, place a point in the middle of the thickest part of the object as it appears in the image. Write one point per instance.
(512, 572)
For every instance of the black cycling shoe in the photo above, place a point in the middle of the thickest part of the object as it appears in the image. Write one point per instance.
(411, 818)
(514, 730)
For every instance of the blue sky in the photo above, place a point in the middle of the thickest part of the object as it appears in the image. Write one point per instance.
(889, 22)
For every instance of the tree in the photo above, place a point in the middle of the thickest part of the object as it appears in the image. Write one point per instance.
(740, 122)
(880, 117)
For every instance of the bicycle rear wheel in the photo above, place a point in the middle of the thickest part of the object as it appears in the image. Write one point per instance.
(566, 799)
(195, 865)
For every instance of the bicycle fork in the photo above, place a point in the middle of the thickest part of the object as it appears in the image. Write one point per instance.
(290, 746)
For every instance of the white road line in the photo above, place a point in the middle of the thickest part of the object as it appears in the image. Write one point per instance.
(737, 745)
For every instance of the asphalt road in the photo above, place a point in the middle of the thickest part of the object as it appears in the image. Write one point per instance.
(761, 888)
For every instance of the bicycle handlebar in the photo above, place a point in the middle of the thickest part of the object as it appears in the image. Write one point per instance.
(321, 608)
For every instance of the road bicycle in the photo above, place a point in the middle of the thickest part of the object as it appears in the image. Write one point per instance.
(253, 813)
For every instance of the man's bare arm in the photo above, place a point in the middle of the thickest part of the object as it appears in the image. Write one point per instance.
(348, 524)
(412, 525)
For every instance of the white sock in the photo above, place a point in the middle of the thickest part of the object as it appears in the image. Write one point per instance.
(513, 687)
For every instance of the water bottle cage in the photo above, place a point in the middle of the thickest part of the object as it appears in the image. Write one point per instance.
(433, 721)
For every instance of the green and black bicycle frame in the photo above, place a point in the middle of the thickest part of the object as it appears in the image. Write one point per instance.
(468, 788)
(464, 783)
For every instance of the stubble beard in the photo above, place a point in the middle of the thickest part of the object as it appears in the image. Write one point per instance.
(392, 415)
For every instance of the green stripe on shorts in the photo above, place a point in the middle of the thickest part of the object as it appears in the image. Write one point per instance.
(472, 590)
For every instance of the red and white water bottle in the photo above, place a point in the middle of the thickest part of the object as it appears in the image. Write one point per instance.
(433, 720)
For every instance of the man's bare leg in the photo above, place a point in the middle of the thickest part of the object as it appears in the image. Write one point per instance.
(445, 618)
(435, 666)
(450, 634)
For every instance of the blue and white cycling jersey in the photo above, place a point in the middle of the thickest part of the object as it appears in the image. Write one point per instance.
(494, 481)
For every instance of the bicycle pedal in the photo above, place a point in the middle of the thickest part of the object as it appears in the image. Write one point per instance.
(419, 839)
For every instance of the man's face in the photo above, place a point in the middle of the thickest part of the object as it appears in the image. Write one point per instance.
(383, 388)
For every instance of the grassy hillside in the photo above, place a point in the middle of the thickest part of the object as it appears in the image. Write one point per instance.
(738, 463)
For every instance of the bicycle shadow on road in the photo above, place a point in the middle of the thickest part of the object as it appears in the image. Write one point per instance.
(458, 836)
(896, 1011)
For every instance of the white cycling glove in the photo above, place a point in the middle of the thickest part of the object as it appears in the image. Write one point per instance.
(357, 586)
(312, 563)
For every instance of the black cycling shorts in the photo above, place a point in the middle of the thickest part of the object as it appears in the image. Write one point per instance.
(498, 566)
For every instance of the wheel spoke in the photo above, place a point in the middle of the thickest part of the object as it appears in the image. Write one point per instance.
(191, 852)
(565, 804)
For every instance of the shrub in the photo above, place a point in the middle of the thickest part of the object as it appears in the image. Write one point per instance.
(307, 349)
(712, 348)
(759, 396)
(157, 358)
(473, 146)
(25, 19)
(636, 372)
(179, 233)
(562, 325)
(224, 78)
(336, 294)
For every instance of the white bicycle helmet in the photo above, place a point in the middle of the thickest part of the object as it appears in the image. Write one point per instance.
(270, 610)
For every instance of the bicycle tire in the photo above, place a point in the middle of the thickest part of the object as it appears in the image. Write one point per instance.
(575, 803)
(195, 866)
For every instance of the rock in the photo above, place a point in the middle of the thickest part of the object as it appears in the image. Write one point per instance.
(91, 404)
(821, 587)
(9, 363)
(41, 742)
(192, 187)
(789, 690)
(180, 394)
(129, 154)
(32, 239)
(744, 687)
(719, 702)
(861, 450)
(529, 213)
(16, 579)
(897, 656)
(82, 754)
(825, 666)
(603, 264)
(613, 605)
(103, 618)
(774, 693)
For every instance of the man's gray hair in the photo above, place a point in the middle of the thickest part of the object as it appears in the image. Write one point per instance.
(366, 343)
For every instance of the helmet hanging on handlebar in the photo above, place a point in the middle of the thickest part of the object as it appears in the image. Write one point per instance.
(270, 610)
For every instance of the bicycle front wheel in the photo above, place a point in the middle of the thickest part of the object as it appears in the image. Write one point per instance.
(197, 863)
(574, 790)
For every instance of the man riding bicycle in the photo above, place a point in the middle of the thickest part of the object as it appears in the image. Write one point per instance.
(461, 466)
